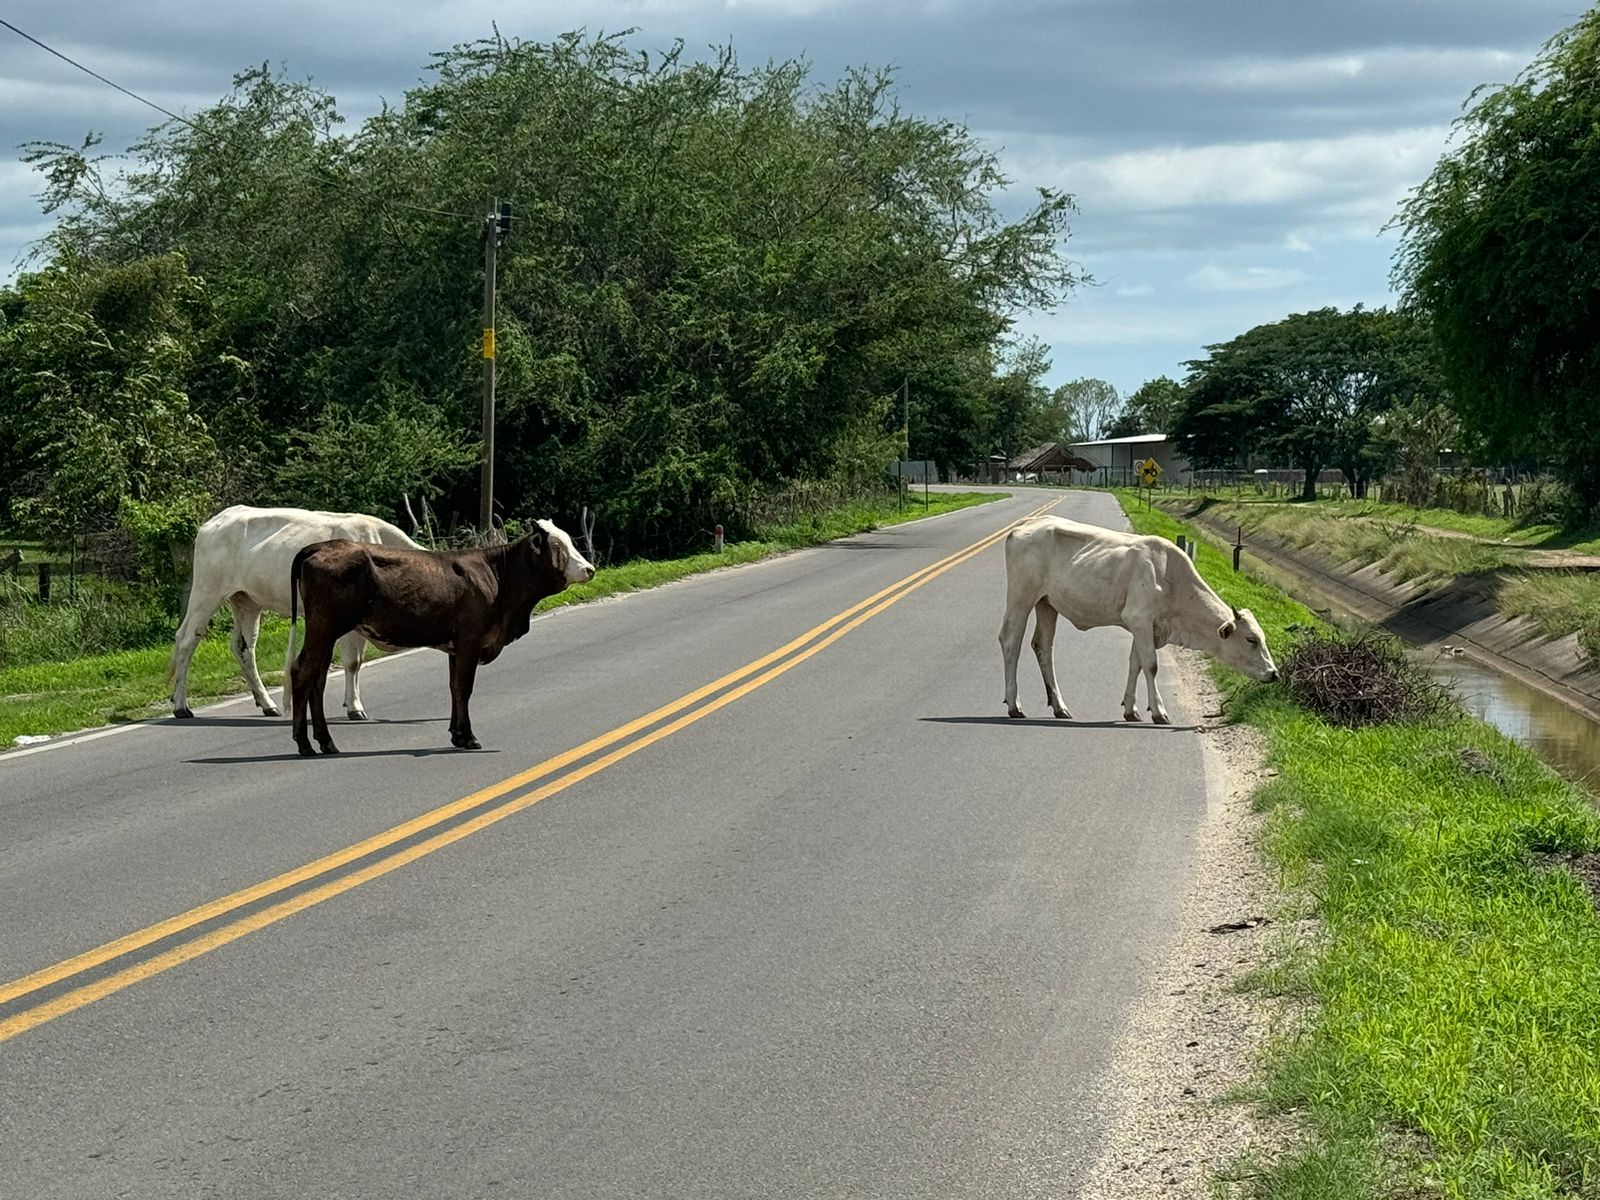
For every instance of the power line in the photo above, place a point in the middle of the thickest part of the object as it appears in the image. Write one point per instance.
(185, 120)
(74, 62)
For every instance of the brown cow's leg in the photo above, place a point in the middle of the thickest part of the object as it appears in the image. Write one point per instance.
(319, 719)
(310, 678)
(463, 670)
(455, 707)
(303, 677)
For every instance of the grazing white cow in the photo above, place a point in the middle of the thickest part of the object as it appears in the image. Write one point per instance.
(1096, 577)
(243, 555)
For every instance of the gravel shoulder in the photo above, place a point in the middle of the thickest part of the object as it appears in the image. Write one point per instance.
(1190, 1051)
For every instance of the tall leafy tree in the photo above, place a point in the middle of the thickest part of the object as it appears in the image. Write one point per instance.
(1153, 408)
(718, 279)
(1499, 247)
(1309, 389)
(1086, 409)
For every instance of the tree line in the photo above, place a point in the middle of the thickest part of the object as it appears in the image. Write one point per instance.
(718, 280)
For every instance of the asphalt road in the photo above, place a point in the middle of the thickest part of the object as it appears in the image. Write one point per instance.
(833, 927)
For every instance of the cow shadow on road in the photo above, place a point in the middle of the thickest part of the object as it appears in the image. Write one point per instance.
(1058, 723)
(270, 722)
(295, 756)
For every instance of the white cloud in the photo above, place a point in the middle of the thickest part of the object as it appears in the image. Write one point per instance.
(1379, 63)
(1136, 290)
(1251, 173)
(1212, 278)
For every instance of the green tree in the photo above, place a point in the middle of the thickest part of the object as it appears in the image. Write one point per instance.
(1153, 408)
(1084, 410)
(93, 359)
(717, 280)
(1498, 247)
(1309, 388)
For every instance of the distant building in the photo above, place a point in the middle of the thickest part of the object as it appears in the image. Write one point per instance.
(1115, 457)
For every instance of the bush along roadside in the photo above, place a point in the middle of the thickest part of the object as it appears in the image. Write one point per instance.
(1451, 1042)
(65, 690)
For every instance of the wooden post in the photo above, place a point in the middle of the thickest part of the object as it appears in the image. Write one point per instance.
(44, 583)
(1238, 547)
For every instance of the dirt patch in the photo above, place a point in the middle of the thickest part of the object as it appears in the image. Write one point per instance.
(1584, 864)
(1194, 1041)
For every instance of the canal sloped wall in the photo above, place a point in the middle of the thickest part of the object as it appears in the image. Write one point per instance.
(1460, 613)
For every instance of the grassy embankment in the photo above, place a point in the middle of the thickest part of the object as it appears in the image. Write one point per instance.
(64, 693)
(1401, 542)
(1452, 1043)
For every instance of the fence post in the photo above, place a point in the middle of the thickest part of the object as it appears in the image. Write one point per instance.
(716, 539)
(1238, 547)
(44, 583)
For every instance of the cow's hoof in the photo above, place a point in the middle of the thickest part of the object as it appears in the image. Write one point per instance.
(272, 710)
(1016, 714)
(1160, 718)
(1130, 716)
(183, 714)
(465, 741)
(1062, 714)
(305, 750)
(356, 714)
(329, 748)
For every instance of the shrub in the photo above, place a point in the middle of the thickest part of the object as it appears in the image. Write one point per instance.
(1365, 680)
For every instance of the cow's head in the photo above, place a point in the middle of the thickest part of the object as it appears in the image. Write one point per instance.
(1244, 647)
(564, 556)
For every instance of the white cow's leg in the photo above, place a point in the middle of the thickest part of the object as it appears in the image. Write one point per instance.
(202, 603)
(1144, 645)
(1129, 711)
(351, 647)
(1011, 631)
(246, 628)
(1044, 641)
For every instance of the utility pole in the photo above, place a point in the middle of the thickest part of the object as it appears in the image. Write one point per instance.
(496, 224)
(905, 435)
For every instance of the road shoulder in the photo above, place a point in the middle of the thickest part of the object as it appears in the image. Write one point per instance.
(1176, 1093)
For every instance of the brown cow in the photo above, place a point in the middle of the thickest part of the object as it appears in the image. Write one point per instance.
(469, 603)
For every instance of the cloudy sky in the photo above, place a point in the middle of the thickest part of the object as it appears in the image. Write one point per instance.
(1233, 160)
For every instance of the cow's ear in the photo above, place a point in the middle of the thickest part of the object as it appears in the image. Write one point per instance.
(1226, 630)
(536, 541)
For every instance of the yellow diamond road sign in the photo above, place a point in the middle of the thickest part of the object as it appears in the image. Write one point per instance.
(1149, 472)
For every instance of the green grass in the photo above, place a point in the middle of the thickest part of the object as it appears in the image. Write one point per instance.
(1453, 1046)
(1398, 548)
(83, 691)
(1501, 530)
(1560, 602)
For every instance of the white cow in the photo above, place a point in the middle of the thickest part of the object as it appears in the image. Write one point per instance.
(243, 555)
(1096, 577)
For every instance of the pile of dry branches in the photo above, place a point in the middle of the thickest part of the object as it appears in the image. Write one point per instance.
(1365, 680)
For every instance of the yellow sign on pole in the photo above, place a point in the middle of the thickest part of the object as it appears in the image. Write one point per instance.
(488, 342)
(1149, 472)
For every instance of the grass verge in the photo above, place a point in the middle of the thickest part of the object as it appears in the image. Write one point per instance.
(90, 690)
(1452, 1046)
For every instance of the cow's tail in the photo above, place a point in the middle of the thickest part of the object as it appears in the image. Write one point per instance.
(294, 606)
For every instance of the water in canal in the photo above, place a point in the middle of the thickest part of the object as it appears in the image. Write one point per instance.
(1562, 736)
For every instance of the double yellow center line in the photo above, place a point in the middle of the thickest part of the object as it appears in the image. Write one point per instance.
(386, 851)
